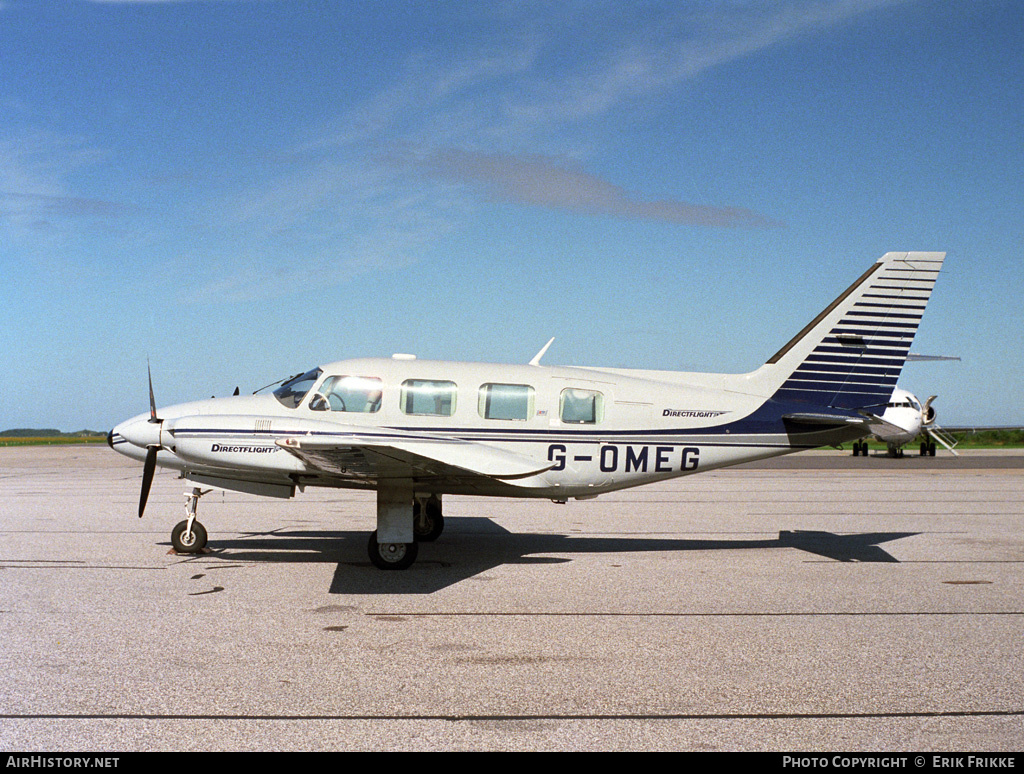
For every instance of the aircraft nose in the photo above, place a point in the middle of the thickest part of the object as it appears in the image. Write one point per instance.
(139, 431)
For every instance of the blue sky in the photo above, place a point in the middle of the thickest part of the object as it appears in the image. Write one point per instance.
(241, 189)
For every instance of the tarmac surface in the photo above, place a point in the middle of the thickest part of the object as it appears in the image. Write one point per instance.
(818, 602)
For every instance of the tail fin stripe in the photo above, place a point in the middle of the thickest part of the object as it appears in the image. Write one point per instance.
(875, 359)
(857, 360)
(879, 351)
(885, 315)
(829, 370)
(918, 307)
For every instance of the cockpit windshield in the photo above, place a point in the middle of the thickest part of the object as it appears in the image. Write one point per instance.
(294, 390)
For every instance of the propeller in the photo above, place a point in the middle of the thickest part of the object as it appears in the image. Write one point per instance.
(928, 413)
(932, 430)
(148, 469)
(149, 466)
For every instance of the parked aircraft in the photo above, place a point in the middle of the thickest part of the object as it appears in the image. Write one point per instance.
(906, 420)
(416, 430)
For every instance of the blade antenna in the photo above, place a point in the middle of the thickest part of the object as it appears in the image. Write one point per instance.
(539, 355)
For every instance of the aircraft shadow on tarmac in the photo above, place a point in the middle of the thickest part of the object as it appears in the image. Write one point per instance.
(471, 546)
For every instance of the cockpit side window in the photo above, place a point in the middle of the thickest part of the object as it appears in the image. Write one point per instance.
(294, 390)
(360, 394)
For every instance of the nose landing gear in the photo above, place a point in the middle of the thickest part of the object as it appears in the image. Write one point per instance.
(189, 536)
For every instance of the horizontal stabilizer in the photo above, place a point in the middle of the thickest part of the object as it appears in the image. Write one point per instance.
(881, 429)
(872, 424)
(829, 420)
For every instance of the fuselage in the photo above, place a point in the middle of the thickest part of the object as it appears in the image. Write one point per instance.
(905, 412)
(586, 430)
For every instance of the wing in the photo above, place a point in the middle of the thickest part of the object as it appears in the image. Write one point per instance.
(371, 458)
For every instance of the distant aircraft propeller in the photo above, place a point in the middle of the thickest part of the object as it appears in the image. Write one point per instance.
(928, 413)
(932, 430)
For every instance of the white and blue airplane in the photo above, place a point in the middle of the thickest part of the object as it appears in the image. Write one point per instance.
(905, 420)
(418, 430)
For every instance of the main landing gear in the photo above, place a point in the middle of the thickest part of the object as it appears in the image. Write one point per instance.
(392, 512)
(405, 520)
(860, 448)
(189, 536)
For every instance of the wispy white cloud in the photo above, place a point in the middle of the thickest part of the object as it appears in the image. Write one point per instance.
(515, 115)
(661, 48)
(35, 189)
(541, 181)
(512, 120)
(558, 66)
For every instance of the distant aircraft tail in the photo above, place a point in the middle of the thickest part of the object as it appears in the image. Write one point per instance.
(851, 355)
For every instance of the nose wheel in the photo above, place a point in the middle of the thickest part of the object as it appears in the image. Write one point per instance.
(189, 536)
(188, 540)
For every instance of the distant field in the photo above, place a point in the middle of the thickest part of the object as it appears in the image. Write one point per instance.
(34, 437)
(47, 441)
(990, 438)
(1006, 438)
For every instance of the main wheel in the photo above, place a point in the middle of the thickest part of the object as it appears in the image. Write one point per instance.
(188, 543)
(391, 556)
(427, 522)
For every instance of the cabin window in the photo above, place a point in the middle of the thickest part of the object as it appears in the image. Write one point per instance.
(505, 401)
(359, 394)
(581, 407)
(428, 398)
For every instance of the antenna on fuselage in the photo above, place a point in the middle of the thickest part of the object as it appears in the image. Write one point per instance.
(539, 355)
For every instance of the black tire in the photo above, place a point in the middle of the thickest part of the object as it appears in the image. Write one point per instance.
(924, 449)
(391, 556)
(188, 546)
(429, 529)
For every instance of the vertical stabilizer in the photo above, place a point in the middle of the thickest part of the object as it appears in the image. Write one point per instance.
(850, 356)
